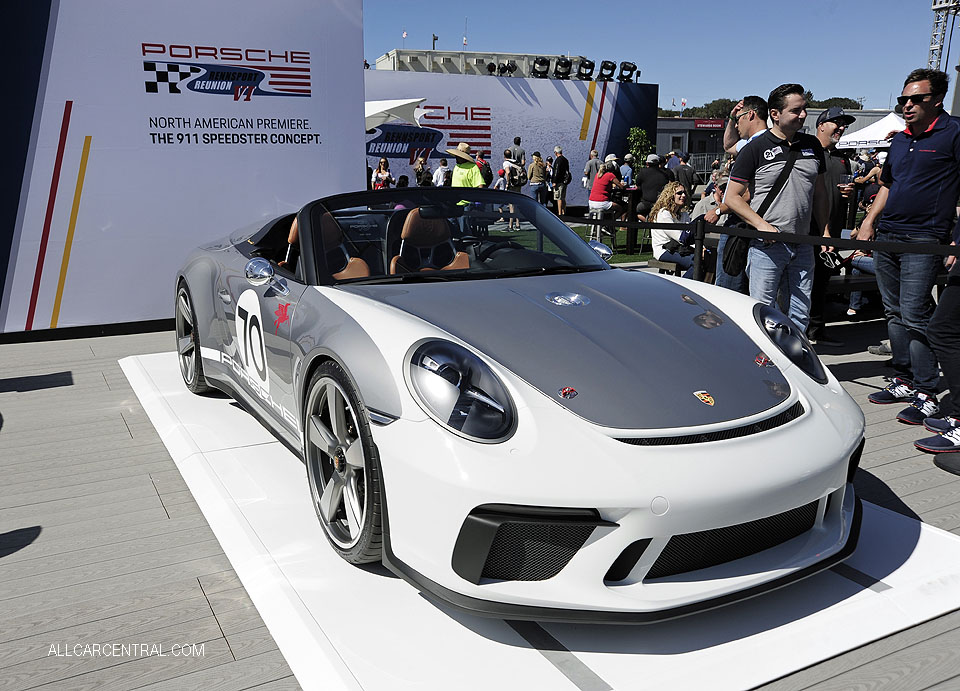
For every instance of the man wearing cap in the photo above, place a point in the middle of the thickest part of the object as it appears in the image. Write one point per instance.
(615, 160)
(651, 179)
(831, 125)
(920, 182)
(626, 170)
(673, 160)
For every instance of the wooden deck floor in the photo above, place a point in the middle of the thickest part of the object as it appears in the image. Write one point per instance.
(101, 542)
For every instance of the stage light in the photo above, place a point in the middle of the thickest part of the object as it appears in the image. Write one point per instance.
(511, 67)
(540, 67)
(627, 70)
(607, 68)
(562, 69)
(491, 67)
(585, 69)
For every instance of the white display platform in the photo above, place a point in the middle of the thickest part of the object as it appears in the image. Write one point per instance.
(344, 627)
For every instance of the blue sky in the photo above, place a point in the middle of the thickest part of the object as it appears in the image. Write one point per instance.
(694, 49)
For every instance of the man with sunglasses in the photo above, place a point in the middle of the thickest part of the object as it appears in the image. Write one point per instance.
(831, 124)
(920, 182)
(748, 120)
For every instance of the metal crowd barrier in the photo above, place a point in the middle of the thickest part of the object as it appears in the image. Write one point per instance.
(700, 229)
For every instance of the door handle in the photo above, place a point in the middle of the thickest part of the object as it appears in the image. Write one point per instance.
(224, 296)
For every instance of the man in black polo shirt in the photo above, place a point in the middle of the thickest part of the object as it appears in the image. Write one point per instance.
(803, 196)
(830, 127)
(919, 186)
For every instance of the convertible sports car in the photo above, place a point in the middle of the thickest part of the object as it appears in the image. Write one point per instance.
(516, 427)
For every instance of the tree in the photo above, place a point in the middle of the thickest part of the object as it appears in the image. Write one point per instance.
(639, 144)
(846, 103)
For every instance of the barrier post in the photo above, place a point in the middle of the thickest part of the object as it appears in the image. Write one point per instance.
(699, 233)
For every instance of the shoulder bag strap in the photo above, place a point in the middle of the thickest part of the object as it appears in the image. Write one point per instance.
(779, 183)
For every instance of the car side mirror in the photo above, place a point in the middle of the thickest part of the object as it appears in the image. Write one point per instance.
(260, 272)
(601, 249)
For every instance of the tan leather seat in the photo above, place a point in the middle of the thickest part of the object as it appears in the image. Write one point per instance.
(339, 261)
(425, 245)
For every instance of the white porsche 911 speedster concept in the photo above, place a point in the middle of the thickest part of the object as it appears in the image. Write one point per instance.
(516, 427)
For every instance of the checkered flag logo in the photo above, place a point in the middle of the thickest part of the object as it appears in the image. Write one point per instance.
(166, 73)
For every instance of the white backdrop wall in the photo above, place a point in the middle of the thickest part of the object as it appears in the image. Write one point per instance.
(126, 174)
(487, 112)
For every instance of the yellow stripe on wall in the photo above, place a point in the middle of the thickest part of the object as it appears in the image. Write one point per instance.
(73, 224)
(587, 111)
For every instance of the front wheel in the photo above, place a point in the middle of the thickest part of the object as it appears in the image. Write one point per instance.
(188, 343)
(342, 467)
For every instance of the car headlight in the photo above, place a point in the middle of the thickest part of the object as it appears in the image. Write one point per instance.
(791, 342)
(458, 390)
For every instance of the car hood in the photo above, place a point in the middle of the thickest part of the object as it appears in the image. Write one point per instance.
(641, 352)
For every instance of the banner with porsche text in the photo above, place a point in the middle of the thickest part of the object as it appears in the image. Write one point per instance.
(487, 112)
(159, 126)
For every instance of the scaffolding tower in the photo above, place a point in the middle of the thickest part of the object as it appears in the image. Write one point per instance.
(942, 9)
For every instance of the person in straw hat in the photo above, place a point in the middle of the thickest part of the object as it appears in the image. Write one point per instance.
(466, 173)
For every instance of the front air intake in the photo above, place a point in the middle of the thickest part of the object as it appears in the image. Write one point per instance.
(693, 551)
(521, 543)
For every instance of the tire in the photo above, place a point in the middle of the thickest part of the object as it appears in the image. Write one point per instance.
(342, 466)
(188, 342)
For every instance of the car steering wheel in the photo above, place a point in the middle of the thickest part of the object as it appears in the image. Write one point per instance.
(503, 244)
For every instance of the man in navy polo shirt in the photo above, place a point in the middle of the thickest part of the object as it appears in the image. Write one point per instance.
(919, 186)
(803, 196)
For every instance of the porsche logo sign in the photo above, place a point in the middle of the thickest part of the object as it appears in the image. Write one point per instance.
(704, 397)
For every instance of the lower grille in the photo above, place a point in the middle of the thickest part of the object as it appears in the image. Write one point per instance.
(525, 551)
(693, 551)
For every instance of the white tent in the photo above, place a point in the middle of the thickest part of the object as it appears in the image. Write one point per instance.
(377, 113)
(872, 136)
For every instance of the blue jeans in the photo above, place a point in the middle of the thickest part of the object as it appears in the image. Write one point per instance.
(769, 264)
(538, 192)
(682, 262)
(725, 280)
(860, 265)
(906, 285)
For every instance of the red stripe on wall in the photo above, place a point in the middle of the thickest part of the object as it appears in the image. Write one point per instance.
(458, 127)
(271, 68)
(275, 83)
(596, 130)
(51, 201)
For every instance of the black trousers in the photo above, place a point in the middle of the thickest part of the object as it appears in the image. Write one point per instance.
(818, 297)
(943, 335)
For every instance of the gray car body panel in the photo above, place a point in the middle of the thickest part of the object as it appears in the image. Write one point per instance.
(636, 354)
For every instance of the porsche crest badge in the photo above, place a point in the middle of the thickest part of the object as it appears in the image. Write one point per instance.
(704, 397)
(567, 392)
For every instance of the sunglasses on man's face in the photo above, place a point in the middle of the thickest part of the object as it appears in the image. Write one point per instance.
(915, 99)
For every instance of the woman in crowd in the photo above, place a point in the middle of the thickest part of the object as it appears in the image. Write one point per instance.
(601, 196)
(422, 173)
(669, 208)
(382, 179)
(537, 175)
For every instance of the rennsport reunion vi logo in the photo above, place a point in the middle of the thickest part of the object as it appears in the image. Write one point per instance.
(238, 72)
